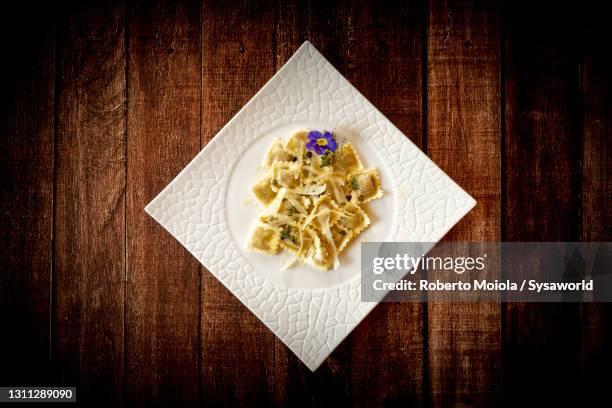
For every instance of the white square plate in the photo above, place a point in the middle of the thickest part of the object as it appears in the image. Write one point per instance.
(206, 206)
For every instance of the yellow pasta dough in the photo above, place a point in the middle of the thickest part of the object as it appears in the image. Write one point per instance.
(262, 190)
(297, 142)
(353, 219)
(347, 160)
(265, 239)
(364, 186)
(313, 196)
(341, 237)
(277, 153)
(286, 174)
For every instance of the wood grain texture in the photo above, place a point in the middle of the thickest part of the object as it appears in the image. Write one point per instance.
(328, 26)
(90, 203)
(463, 138)
(541, 172)
(513, 101)
(237, 350)
(596, 194)
(162, 330)
(26, 188)
(385, 63)
(361, 371)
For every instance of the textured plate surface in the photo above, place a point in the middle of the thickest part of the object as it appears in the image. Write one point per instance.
(314, 313)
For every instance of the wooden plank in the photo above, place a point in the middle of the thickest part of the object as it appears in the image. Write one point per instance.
(237, 350)
(541, 201)
(164, 85)
(90, 203)
(463, 138)
(325, 24)
(596, 193)
(26, 165)
(356, 38)
(385, 63)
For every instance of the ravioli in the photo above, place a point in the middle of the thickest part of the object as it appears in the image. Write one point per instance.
(364, 186)
(353, 219)
(265, 239)
(321, 253)
(313, 197)
(297, 142)
(347, 160)
(277, 153)
(325, 205)
(263, 192)
(286, 174)
(341, 237)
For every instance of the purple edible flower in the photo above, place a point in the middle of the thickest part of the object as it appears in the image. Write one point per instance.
(321, 142)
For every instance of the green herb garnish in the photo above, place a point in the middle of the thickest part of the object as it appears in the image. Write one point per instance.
(326, 159)
(354, 184)
(275, 182)
(290, 210)
(286, 235)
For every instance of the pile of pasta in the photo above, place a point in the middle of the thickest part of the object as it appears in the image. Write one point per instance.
(313, 204)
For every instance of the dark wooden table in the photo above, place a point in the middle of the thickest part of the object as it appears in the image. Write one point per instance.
(104, 103)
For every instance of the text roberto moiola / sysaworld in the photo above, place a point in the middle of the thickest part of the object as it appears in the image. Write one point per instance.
(459, 265)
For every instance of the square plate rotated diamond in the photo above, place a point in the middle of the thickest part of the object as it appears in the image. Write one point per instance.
(204, 206)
